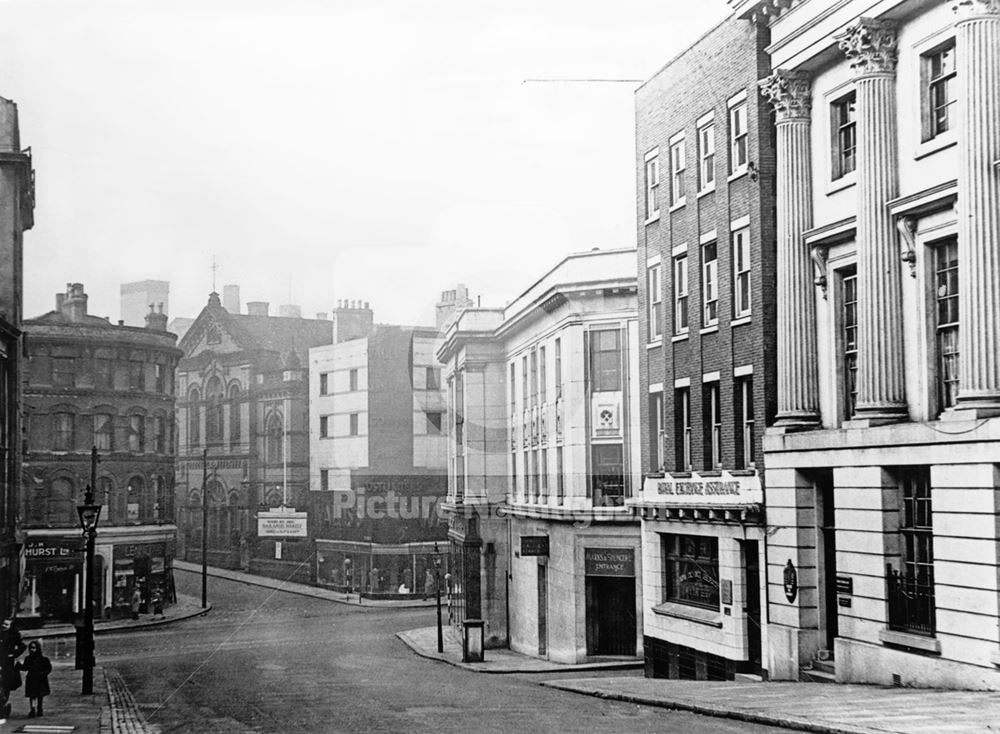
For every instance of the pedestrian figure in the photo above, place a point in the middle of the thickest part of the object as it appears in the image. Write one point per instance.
(36, 669)
(157, 605)
(429, 586)
(136, 603)
(11, 647)
(373, 580)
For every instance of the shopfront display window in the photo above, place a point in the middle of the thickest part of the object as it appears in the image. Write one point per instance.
(692, 570)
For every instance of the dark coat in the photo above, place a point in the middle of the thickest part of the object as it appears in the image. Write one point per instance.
(11, 646)
(36, 680)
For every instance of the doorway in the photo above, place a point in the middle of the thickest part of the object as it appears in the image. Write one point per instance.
(828, 571)
(543, 604)
(611, 623)
(751, 561)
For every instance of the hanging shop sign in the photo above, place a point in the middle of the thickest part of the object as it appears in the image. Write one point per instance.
(722, 488)
(609, 562)
(791, 580)
(534, 545)
(282, 523)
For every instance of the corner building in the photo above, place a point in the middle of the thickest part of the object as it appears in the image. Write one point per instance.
(882, 474)
(706, 260)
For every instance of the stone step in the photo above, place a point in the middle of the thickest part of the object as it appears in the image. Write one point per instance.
(813, 675)
(747, 678)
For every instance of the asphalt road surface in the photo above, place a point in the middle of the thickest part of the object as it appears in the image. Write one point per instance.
(265, 661)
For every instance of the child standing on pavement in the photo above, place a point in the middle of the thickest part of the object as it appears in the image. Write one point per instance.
(36, 679)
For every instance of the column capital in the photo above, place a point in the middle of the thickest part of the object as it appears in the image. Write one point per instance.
(871, 46)
(968, 9)
(790, 93)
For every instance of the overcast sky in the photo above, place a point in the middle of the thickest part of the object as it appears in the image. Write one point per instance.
(379, 150)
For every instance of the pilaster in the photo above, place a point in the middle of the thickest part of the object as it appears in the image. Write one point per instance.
(871, 47)
(790, 94)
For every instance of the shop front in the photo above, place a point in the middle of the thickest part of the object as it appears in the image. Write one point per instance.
(52, 586)
(143, 574)
(383, 571)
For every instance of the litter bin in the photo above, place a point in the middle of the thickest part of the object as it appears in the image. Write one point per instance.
(473, 646)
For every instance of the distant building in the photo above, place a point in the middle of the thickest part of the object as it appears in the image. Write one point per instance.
(231, 298)
(179, 326)
(136, 298)
(377, 454)
(89, 384)
(242, 390)
(17, 182)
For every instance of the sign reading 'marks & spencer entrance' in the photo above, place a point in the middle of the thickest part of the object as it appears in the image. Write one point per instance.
(722, 488)
(609, 561)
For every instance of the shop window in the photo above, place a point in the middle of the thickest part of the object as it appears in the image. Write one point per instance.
(62, 432)
(691, 570)
(104, 432)
(605, 360)
(910, 588)
(946, 301)
(843, 114)
(608, 477)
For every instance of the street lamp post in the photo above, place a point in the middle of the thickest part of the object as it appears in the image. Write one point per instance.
(437, 590)
(204, 530)
(90, 514)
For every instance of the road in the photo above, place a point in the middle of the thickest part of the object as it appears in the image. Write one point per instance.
(266, 661)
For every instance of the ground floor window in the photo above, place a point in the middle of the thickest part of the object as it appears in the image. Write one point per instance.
(691, 570)
(910, 588)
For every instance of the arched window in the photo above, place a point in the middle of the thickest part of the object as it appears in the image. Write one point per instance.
(194, 418)
(234, 416)
(137, 433)
(161, 502)
(275, 438)
(59, 510)
(159, 434)
(62, 431)
(213, 411)
(133, 500)
(104, 431)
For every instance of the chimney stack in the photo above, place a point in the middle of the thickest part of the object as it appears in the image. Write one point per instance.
(73, 304)
(231, 298)
(452, 303)
(351, 320)
(156, 320)
(258, 308)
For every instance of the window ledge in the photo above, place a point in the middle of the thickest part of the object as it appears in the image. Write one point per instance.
(910, 640)
(679, 337)
(844, 182)
(710, 329)
(741, 320)
(707, 190)
(738, 173)
(935, 144)
(654, 344)
(681, 203)
(654, 218)
(692, 614)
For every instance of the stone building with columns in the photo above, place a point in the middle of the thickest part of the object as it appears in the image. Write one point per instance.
(705, 168)
(883, 481)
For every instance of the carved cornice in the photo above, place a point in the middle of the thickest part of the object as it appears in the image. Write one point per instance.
(790, 93)
(871, 45)
(968, 9)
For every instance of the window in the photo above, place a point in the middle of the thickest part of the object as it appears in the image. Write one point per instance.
(160, 377)
(605, 360)
(433, 378)
(104, 432)
(159, 434)
(608, 478)
(739, 153)
(63, 371)
(677, 165)
(324, 383)
(706, 157)
(544, 473)
(911, 589)
(433, 424)
(235, 424)
(939, 73)
(103, 375)
(656, 432)
(745, 424)
(527, 476)
(844, 135)
(560, 480)
(681, 294)
(353, 380)
(324, 479)
(946, 299)
(136, 434)
(510, 390)
(713, 426)
(692, 570)
(194, 418)
(654, 296)
(541, 374)
(324, 426)
(849, 338)
(682, 403)
(534, 377)
(741, 272)
(710, 283)
(274, 439)
(533, 458)
(62, 433)
(353, 426)
(559, 385)
(513, 476)
(652, 184)
(134, 492)
(214, 411)
(524, 382)
(136, 375)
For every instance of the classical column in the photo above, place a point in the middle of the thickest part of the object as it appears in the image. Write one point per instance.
(871, 47)
(977, 43)
(798, 377)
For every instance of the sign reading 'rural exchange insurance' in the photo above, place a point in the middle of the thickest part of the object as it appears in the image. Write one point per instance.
(724, 489)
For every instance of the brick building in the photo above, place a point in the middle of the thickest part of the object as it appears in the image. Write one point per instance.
(17, 180)
(89, 384)
(705, 170)
(883, 467)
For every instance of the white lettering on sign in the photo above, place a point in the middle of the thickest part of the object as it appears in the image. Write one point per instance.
(282, 526)
(724, 490)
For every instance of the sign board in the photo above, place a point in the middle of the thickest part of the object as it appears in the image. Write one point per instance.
(609, 561)
(845, 585)
(534, 545)
(282, 524)
(54, 550)
(723, 490)
(726, 591)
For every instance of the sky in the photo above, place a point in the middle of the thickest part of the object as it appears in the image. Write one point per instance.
(320, 150)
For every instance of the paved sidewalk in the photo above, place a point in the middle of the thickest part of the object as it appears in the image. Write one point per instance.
(423, 641)
(818, 707)
(185, 608)
(65, 706)
(317, 592)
